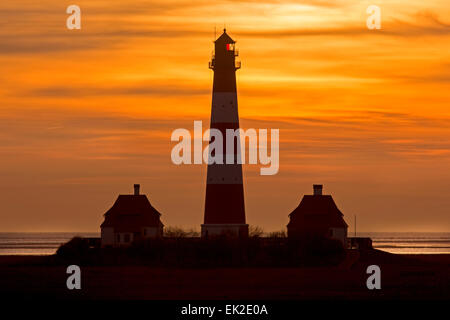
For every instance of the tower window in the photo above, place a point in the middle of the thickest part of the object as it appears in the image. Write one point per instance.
(230, 46)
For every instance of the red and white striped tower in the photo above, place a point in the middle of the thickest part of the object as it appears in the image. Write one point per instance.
(224, 204)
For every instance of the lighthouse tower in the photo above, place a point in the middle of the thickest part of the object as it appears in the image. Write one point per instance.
(224, 203)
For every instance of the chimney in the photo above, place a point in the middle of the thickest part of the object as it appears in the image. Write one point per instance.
(317, 189)
(136, 189)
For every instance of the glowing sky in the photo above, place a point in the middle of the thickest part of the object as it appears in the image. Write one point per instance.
(86, 113)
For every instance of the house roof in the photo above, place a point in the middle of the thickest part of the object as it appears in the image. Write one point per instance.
(317, 211)
(224, 38)
(130, 213)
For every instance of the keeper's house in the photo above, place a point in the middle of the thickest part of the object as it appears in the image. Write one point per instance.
(131, 217)
(318, 215)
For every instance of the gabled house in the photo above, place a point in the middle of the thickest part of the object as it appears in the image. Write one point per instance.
(318, 215)
(131, 217)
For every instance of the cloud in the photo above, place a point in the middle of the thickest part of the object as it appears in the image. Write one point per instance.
(396, 27)
(359, 117)
(72, 41)
(139, 90)
(40, 28)
(110, 25)
(314, 3)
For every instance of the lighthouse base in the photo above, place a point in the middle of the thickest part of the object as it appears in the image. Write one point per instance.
(228, 230)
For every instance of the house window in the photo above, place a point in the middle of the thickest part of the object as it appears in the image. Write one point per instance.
(126, 237)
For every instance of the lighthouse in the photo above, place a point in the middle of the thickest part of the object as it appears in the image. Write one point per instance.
(224, 203)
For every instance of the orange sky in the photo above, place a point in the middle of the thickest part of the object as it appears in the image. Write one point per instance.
(86, 113)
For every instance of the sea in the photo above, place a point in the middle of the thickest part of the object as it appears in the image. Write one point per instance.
(394, 242)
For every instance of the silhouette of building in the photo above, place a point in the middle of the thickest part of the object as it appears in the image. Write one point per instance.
(224, 203)
(131, 217)
(318, 215)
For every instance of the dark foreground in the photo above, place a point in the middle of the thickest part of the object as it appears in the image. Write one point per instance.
(402, 277)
